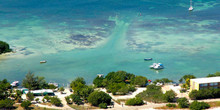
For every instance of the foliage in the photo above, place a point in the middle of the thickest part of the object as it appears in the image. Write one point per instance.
(98, 81)
(140, 81)
(103, 105)
(32, 83)
(61, 89)
(171, 105)
(25, 104)
(163, 80)
(120, 88)
(51, 86)
(204, 94)
(76, 99)
(189, 76)
(47, 98)
(18, 94)
(98, 97)
(195, 105)
(55, 101)
(30, 96)
(152, 94)
(169, 96)
(37, 99)
(78, 84)
(86, 91)
(134, 101)
(6, 104)
(4, 87)
(68, 101)
(183, 102)
(4, 47)
(214, 75)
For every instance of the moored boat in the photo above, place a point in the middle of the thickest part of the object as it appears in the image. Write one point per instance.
(44, 61)
(157, 66)
(148, 59)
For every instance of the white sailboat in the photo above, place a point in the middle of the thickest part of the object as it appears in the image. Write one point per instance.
(191, 7)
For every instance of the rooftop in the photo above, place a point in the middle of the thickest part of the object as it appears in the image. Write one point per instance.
(206, 80)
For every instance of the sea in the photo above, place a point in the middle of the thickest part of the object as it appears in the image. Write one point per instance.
(83, 38)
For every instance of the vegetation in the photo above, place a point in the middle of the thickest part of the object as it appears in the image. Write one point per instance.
(195, 105)
(140, 81)
(214, 75)
(32, 83)
(204, 94)
(183, 103)
(78, 84)
(55, 101)
(171, 105)
(68, 101)
(47, 98)
(169, 96)
(6, 104)
(17, 96)
(103, 105)
(30, 96)
(186, 79)
(61, 89)
(163, 80)
(25, 104)
(120, 82)
(98, 97)
(134, 101)
(4, 47)
(85, 92)
(152, 94)
(76, 99)
(4, 87)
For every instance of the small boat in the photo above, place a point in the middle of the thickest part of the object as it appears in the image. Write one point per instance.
(15, 84)
(191, 7)
(44, 61)
(148, 59)
(157, 66)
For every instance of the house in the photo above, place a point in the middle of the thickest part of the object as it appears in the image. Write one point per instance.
(203, 83)
(42, 92)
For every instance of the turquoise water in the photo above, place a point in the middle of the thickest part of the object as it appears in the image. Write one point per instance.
(85, 38)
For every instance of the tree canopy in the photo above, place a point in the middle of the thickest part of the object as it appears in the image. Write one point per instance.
(140, 81)
(4, 47)
(98, 97)
(214, 75)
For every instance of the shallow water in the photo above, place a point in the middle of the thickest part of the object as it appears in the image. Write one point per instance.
(84, 38)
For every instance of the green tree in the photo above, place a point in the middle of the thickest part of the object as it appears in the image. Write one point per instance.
(214, 75)
(195, 105)
(169, 96)
(68, 101)
(4, 47)
(4, 87)
(78, 84)
(98, 81)
(32, 83)
(183, 102)
(76, 99)
(134, 101)
(25, 104)
(37, 100)
(47, 98)
(103, 105)
(18, 94)
(30, 96)
(86, 91)
(98, 97)
(6, 104)
(186, 77)
(55, 101)
(61, 89)
(140, 81)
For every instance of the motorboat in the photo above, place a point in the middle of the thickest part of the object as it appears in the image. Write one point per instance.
(44, 61)
(191, 7)
(148, 59)
(157, 66)
(15, 84)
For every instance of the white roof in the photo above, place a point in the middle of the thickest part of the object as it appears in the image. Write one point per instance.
(206, 80)
(40, 91)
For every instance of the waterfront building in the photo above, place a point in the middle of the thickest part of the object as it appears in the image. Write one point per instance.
(204, 83)
(42, 92)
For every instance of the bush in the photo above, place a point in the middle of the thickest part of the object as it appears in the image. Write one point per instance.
(140, 81)
(25, 104)
(134, 101)
(6, 104)
(47, 98)
(37, 100)
(30, 96)
(183, 102)
(98, 97)
(78, 84)
(98, 81)
(171, 105)
(103, 105)
(169, 96)
(204, 94)
(68, 101)
(76, 99)
(55, 101)
(195, 105)
(4, 47)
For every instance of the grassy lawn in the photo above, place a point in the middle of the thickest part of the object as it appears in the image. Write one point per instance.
(214, 104)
